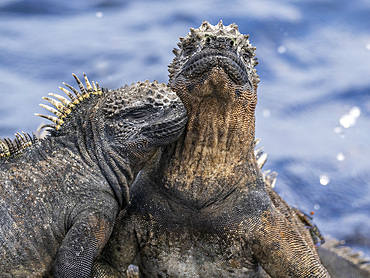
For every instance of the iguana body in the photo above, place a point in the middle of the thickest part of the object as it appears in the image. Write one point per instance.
(60, 195)
(200, 208)
(340, 260)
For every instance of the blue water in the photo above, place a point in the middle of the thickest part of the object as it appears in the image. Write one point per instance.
(314, 97)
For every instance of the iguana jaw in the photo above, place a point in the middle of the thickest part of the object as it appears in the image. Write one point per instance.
(200, 63)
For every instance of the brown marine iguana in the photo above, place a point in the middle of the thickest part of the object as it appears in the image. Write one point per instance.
(201, 207)
(60, 195)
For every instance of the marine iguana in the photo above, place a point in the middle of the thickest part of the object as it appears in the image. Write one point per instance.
(200, 207)
(60, 195)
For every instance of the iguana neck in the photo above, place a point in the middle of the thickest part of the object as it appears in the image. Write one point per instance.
(115, 168)
(215, 154)
(84, 136)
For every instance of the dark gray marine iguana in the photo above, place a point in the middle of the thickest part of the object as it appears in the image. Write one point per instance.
(60, 195)
(200, 207)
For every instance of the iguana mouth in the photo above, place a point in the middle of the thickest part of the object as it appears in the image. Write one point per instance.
(207, 59)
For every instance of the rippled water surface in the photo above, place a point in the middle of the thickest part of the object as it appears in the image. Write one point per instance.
(314, 97)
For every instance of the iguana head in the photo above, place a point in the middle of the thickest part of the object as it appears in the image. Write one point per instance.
(119, 130)
(210, 47)
(142, 117)
(215, 66)
(216, 62)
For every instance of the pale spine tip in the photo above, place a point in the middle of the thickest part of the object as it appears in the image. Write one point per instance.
(88, 87)
(69, 94)
(52, 126)
(57, 105)
(81, 86)
(65, 101)
(50, 118)
(262, 160)
(4, 149)
(94, 86)
(98, 88)
(52, 110)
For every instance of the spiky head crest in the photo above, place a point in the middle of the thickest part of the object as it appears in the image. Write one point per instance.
(196, 39)
(140, 94)
(230, 31)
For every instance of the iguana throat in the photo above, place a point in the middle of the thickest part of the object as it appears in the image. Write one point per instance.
(216, 150)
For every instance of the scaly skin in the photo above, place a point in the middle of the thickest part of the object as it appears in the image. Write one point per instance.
(200, 208)
(340, 260)
(60, 196)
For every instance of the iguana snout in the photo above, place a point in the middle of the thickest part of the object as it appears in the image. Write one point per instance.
(217, 53)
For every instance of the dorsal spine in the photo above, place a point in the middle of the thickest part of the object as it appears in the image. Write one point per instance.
(9, 148)
(63, 106)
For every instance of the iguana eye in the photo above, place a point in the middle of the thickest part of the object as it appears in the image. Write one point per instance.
(138, 113)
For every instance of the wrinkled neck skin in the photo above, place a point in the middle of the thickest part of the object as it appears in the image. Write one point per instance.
(215, 155)
(85, 134)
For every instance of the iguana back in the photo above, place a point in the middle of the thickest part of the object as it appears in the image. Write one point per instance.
(59, 196)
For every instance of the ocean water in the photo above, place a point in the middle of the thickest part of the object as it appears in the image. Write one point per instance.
(313, 114)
